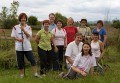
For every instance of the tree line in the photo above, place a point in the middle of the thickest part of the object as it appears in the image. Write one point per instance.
(9, 18)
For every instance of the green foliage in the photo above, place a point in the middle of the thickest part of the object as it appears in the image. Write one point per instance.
(59, 16)
(36, 27)
(116, 23)
(9, 16)
(9, 23)
(32, 20)
(4, 13)
(77, 23)
(13, 10)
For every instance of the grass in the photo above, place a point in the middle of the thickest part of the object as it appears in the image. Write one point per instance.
(112, 58)
(112, 75)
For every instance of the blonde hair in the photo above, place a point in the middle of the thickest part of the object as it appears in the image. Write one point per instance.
(69, 19)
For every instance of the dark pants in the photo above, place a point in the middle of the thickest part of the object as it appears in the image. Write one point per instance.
(55, 60)
(72, 74)
(20, 58)
(45, 60)
(60, 56)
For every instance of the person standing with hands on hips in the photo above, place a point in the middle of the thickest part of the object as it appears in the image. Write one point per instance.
(22, 34)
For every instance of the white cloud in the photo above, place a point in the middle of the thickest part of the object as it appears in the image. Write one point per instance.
(90, 9)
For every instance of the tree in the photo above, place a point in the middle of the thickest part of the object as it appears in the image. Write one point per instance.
(4, 13)
(13, 10)
(32, 20)
(9, 16)
(59, 16)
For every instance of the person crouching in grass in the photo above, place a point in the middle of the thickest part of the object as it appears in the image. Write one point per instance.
(83, 64)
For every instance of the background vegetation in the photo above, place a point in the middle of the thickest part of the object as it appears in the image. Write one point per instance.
(8, 68)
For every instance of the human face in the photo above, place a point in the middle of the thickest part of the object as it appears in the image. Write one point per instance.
(52, 18)
(46, 25)
(23, 20)
(59, 24)
(95, 37)
(70, 21)
(86, 48)
(83, 23)
(78, 39)
(99, 25)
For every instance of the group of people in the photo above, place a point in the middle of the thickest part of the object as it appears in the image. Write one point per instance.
(83, 48)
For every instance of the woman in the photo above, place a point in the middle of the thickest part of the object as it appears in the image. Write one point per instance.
(86, 31)
(59, 35)
(44, 38)
(22, 34)
(71, 30)
(83, 64)
(97, 47)
(101, 30)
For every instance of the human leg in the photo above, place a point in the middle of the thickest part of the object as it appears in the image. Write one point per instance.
(20, 61)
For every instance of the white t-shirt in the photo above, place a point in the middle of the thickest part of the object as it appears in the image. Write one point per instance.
(95, 47)
(16, 32)
(84, 62)
(59, 36)
(73, 50)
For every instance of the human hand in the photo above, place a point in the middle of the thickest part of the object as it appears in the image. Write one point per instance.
(99, 59)
(84, 73)
(55, 49)
(20, 39)
(22, 28)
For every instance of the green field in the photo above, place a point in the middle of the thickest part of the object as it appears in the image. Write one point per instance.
(9, 73)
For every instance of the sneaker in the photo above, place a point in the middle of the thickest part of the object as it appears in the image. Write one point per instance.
(21, 75)
(61, 74)
(36, 75)
(43, 75)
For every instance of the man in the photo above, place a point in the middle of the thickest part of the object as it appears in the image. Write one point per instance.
(73, 49)
(52, 22)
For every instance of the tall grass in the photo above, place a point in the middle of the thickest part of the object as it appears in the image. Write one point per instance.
(112, 58)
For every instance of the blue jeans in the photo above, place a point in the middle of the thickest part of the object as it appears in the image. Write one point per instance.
(20, 58)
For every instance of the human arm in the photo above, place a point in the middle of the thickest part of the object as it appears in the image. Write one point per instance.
(89, 33)
(27, 33)
(37, 37)
(69, 59)
(14, 35)
(102, 50)
(76, 69)
(18, 39)
(105, 38)
(65, 42)
(92, 70)
(55, 47)
(68, 53)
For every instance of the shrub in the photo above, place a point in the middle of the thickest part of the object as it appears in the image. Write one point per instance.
(32, 20)
(9, 23)
(116, 23)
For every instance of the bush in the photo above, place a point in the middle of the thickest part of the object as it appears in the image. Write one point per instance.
(35, 27)
(116, 23)
(9, 23)
(32, 20)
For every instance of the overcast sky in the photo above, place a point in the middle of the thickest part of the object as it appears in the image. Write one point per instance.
(90, 9)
